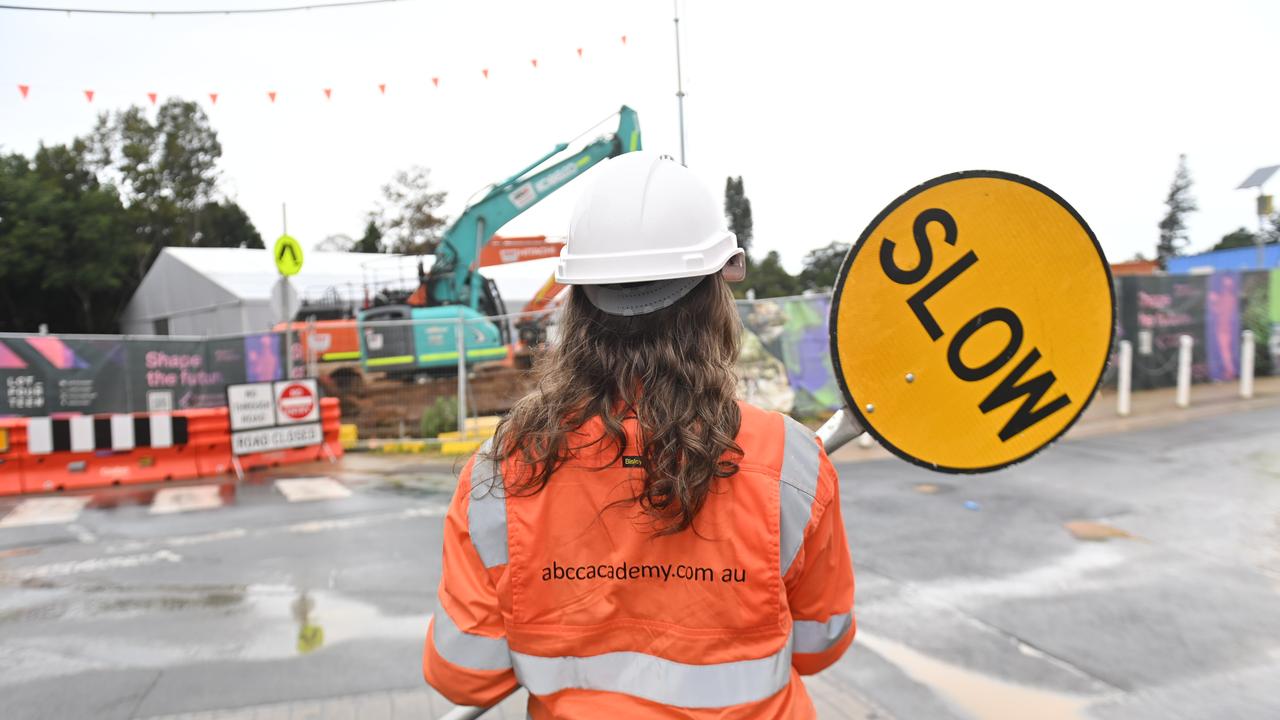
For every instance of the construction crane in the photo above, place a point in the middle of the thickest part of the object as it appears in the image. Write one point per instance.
(453, 294)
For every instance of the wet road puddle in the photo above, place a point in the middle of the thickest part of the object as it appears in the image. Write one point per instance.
(983, 697)
(289, 621)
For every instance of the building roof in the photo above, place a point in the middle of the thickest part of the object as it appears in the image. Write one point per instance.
(249, 274)
(1241, 258)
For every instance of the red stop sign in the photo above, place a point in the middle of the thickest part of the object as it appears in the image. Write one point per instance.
(297, 401)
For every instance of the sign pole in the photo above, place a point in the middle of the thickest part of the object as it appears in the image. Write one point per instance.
(460, 341)
(287, 254)
(284, 306)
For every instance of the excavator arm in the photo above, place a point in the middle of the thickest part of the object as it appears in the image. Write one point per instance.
(454, 278)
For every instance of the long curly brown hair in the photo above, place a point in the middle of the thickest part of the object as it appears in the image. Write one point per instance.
(672, 370)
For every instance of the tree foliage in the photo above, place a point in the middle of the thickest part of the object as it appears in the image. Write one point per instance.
(737, 210)
(66, 244)
(768, 278)
(1179, 204)
(336, 243)
(371, 241)
(822, 265)
(409, 214)
(80, 224)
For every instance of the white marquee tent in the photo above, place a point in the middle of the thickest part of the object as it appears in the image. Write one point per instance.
(220, 291)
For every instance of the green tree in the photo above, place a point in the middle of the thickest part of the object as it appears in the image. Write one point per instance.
(167, 174)
(409, 214)
(1180, 203)
(1239, 237)
(822, 265)
(371, 241)
(225, 224)
(737, 210)
(338, 242)
(66, 244)
(769, 279)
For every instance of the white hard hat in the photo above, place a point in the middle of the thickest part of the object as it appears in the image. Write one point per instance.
(645, 219)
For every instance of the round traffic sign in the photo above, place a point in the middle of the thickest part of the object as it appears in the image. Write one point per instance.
(297, 401)
(288, 255)
(972, 321)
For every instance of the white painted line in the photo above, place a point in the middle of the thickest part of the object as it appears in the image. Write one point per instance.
(95, 565)
(185, 499)
(317, 488)
(45, 511)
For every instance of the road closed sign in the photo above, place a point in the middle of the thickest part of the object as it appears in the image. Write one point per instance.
(972, 321)
(297, 401)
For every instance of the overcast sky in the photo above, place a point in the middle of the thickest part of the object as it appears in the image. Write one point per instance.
(828, 110)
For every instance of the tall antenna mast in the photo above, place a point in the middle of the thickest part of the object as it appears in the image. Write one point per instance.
(679, 80)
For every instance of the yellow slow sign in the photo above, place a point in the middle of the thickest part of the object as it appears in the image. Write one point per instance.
(972, 321)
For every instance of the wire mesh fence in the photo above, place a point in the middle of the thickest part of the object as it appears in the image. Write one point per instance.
(428, 370)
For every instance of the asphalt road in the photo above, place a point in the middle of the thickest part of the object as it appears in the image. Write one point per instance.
(974, 598)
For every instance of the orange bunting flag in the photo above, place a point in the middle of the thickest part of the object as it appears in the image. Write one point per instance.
(328, 93)
(213, 98)
(535, 63)
(382, 88)
(88, 95)
(486, 73)
(24, 89)
(435, 81)
(271, 94)
(152, 98)
(579, 53)
(624, 39)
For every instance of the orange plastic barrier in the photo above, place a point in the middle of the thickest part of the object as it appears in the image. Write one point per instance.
(13, 435)
(86, 452)
(209, 434)
(51, 454)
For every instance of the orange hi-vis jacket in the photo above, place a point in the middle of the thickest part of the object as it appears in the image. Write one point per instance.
(575, 598)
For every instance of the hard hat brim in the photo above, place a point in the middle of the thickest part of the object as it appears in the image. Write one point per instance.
(640, 299)
(647, 265)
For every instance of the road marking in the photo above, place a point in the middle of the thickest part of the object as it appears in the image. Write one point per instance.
(186, 499)
(45, 511)
(308, 489)
(94, 565)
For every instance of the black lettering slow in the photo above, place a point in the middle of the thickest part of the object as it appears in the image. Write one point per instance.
(982, 319)
(920, 234)
(1011, 388)
(917, 301)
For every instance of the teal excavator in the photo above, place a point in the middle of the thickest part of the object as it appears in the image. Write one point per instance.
(453, 294)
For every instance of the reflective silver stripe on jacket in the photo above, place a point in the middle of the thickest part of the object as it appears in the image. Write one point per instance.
(797, 488)
(487, 514)
(814, 636)
(474, 652)
(653, 678)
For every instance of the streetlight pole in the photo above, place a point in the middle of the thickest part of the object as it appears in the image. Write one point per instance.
(679, 80)
(1257, 179)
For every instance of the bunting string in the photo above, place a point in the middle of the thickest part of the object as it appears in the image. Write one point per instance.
(30, 92)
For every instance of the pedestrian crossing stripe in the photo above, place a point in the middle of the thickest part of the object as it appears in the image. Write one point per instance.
(167, 501)
(87, 433)
(314, 488)
(186, 499)
(45, 511)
